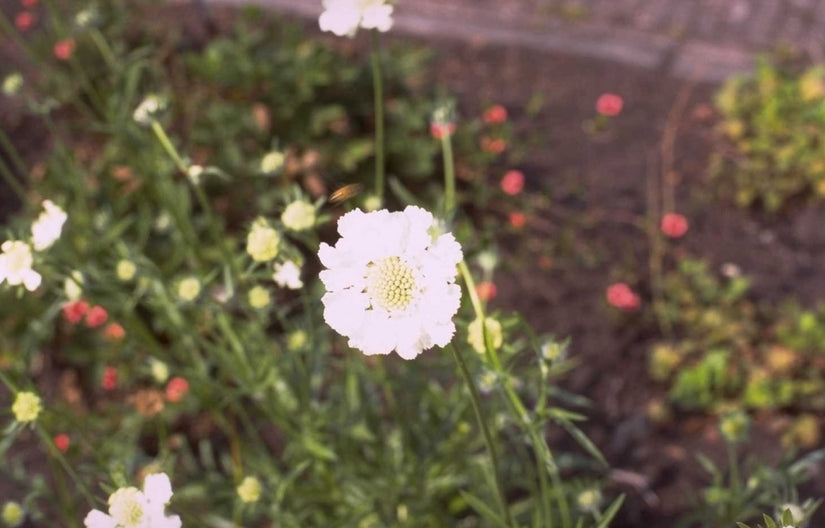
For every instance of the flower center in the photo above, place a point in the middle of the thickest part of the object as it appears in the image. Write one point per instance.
(126, 507)
(390, 284)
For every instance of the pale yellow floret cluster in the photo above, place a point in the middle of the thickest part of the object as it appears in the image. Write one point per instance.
(390, 284)
(249, 490)
(189, 288)
(26, 407)
(263, 241)
(299, 215)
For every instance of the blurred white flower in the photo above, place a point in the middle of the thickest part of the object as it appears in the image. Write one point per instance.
(272, 162)
(133, 508)
(46, 229)
(16, 265)
(343, 17)
(12, 84)
(148, 109)
(475, 334)
(288, 275)
(299, 215)
(249, 490)
(263, 241)
(390, 282)
(195, 172)
(377, 15)
(73, 286)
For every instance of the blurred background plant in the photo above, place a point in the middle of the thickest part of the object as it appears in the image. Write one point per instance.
(773, 125)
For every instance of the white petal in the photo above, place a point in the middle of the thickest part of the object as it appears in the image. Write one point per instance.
(344, 311)
(98, 519)
(31, 280)
(173, 521)
(157, 488)
(378, 335)
(344, 277)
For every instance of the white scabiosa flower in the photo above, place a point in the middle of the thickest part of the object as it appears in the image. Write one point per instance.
(341, 17)
(391, 282)
(377, 15)
(46, 229)
(299, 215)
(16, 265)
(263, 241)
(288, 275)
(344, 17)
(148, 109)
(133, 508)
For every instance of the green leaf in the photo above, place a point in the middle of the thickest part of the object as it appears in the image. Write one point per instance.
(584, 441)
(481, 507)
(611, 512)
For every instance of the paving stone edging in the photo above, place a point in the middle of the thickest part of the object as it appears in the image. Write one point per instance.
(686, 59)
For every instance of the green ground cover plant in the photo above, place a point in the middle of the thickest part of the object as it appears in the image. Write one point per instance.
(772, 123)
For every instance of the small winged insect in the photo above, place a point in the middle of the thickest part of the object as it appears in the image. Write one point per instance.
(345, 193)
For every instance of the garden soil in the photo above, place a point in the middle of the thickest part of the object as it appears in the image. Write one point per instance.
(585, 205)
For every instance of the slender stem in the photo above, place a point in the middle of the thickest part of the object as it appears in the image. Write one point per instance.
(168, 146)
(183, 166)
(540, 447)
(488, 437)
(735, 485)
(449, 175)
(104, 49)
(19, 164)
(378, 103)
(12, 182)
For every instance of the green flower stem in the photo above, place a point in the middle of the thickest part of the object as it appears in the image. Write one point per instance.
(449, 175)
(104, 48)
(170, 149)
(61, 459)
(18, 162)
(542, 451)
(378, 103)
(488, 437)
(12, 182)
(183, 166)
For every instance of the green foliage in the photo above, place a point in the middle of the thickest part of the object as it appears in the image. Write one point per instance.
(333, 437)
(728, 352)
(772, 127)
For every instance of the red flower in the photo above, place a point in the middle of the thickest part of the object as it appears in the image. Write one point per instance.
(513, 182)
(113, 331)
(28, 3)
(609, 104)
(62, 442)
(74, 311)
(517, 219)
(109, 380)
(96, 316)
(495, 114)
(176, 389)
(486, 290)
(63, 49)
(495, 146)
(24, 20)
(622, 297)
(674, 225)
(438, 130)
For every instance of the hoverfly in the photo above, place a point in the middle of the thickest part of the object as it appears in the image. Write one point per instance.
(345, 193)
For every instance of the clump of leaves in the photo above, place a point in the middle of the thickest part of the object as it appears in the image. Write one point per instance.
(771, 137)
(729, 352)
